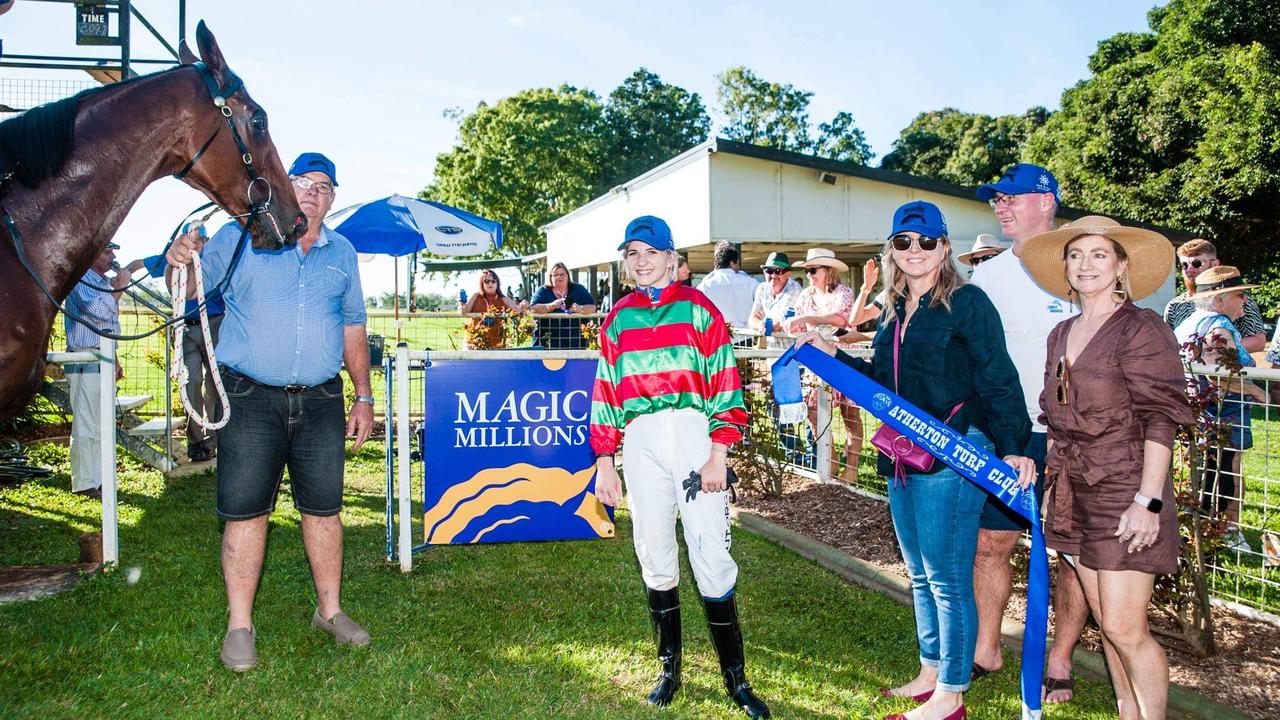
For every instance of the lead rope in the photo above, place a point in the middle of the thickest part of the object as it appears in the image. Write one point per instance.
(178, 372)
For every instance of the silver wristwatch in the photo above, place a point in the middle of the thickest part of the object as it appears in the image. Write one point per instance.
(365, 399)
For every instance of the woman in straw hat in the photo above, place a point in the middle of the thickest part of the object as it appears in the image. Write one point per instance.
(828, 303)
(1208, 335)
(945, 339)
(1113, 400)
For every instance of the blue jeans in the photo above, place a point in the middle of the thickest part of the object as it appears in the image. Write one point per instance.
(936, 520)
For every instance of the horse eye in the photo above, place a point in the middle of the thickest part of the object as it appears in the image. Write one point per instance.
(258, 122)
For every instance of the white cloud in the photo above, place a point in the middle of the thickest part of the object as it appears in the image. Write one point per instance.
(524, 19)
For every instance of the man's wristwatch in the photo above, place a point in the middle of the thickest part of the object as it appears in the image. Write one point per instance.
(365, 399)
(1152, 504)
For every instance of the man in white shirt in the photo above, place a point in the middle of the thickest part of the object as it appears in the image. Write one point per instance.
(775, 296)
(730, 290)
(1025, 201)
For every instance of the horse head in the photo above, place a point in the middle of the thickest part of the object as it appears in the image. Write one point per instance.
(238, 166)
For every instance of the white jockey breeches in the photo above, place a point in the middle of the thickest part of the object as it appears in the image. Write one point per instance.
(659, 451)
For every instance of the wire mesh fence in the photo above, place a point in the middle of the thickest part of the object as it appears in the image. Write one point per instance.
(21, 94)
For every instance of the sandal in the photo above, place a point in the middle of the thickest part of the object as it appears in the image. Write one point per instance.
(1053, 685)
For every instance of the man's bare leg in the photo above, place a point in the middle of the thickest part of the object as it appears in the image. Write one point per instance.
(992, 585)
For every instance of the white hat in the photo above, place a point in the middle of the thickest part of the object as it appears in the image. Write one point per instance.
(821, 257)
(985, 246)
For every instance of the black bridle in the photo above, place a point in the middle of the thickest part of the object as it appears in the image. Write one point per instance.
(220, 95)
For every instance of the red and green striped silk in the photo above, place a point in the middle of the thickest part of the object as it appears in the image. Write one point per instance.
(674, 354)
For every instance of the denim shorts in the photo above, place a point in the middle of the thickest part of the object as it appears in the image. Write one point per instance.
(273, 428)
(996, 515)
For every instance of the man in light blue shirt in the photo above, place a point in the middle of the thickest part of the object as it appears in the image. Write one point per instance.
(293, 317)
(101, 311)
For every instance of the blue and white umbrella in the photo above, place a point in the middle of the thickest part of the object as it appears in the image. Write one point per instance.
(398, 225)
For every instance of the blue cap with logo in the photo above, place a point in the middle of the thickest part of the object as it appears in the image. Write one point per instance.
(314, 162)
(649, 230)
(919, 216)
(1021, 179)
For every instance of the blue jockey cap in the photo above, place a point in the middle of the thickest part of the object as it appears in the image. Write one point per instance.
(314, 162)
(919, 216)
(1021, 179)
(649, 230)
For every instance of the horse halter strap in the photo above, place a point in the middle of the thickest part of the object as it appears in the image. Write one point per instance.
(220, 97)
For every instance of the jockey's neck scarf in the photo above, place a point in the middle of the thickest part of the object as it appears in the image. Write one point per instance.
(987, 472)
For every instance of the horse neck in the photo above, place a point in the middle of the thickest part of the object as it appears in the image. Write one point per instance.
(125, 139)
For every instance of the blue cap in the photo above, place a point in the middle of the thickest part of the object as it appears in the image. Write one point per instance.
(1021, 179)
(919, 216)
(314, 162)
(649, 230)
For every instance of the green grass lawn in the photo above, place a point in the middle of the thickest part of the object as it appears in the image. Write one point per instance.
(550, 630)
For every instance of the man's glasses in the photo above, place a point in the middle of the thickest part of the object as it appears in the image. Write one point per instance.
(902, 243)
(1063, 376)
(305, 183)
(774, 271)
(999, 200)
(1197, 264)
(976, 261)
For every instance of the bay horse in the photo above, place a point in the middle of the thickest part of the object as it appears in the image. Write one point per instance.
(71, 170)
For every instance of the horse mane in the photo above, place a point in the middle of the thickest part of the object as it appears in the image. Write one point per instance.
(35, 145)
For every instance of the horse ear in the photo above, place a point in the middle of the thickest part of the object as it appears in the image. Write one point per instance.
(185, 56)
(210, 53)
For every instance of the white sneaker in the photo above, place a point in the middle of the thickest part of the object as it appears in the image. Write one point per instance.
(1236, 542)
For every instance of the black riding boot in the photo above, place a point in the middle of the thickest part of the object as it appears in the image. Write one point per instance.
(726, 635)
(664, 610)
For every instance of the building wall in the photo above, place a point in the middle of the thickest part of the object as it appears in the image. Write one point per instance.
(591, 235)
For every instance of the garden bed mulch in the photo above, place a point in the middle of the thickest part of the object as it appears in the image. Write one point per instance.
(1239, 675)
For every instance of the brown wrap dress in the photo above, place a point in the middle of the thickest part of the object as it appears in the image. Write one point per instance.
(1124, 388)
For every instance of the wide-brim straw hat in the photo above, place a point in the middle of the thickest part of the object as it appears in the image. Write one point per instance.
(1220, 279)
(985, 245)
(821, 257)
(1150, 255)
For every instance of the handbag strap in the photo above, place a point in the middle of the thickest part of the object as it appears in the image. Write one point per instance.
(897, 346)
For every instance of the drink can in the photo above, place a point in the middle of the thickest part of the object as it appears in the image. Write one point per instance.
(768, 326)
(462, 296)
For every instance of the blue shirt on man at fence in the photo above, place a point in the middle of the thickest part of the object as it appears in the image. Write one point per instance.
(97, 308)
(286, 311)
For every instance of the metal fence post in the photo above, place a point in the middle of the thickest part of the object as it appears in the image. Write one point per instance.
(824, 433)
(402, 451)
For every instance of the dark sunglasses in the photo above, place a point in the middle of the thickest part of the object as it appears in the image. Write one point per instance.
(1063, 376)
(811, 271)
(980, 259)
(902, 243)
(774, 271)
(1197, 264)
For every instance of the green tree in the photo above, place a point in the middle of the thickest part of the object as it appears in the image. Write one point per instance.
(960, 147)
(525, 161)
(649, 122)
(1179, 127)
(775, 115)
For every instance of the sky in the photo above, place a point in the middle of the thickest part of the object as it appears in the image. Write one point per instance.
(369, 83)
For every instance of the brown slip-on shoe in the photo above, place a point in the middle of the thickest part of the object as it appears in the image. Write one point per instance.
(239, 650)
(342, 628)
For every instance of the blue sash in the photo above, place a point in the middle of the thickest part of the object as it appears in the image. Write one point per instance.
(987, 472)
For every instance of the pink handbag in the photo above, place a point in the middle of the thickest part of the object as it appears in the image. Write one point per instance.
(895, 445)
